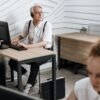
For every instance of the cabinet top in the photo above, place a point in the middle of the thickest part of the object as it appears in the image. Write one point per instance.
(80, 36)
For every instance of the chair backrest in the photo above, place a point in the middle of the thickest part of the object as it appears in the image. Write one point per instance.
(94, 29)
(9, 94)
(52, 46)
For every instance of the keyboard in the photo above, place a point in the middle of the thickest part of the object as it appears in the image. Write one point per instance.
(16, 47)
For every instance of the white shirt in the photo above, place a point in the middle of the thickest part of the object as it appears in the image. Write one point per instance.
(36, 34)
(84, 90)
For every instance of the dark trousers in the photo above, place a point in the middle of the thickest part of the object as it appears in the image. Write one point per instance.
(33, 70)
(2, 75)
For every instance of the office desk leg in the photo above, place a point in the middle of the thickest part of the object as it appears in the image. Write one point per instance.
(54, 76)
(58, 51)
(2, 74)
(12, 75)
(20, 87)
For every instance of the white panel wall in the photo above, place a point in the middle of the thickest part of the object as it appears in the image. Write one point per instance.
(65, 15)
(17, 12)
(80, 13)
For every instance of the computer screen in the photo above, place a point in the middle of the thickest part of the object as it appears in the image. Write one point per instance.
(4, 33)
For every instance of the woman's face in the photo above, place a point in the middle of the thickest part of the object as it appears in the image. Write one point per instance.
(93, 68)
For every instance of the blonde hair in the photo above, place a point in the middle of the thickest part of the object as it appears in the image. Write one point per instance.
(95, 49)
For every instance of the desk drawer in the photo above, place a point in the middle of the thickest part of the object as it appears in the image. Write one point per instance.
(74, 50)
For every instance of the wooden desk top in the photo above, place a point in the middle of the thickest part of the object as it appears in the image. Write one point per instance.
(26, 54)
(80, 36)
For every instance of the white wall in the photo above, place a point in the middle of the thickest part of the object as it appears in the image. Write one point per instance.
(65, 15)
(80, 13)
(17, 12)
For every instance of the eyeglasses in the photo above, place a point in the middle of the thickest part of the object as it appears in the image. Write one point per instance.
(38, 13)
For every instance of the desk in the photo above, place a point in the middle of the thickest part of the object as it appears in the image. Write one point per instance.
(28, 56)
(75, 46)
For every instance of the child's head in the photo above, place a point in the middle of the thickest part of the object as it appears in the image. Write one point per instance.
(93, 65)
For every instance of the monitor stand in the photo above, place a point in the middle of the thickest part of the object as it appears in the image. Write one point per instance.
(4, 46)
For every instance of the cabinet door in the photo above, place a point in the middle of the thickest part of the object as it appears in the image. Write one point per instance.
(74, 50)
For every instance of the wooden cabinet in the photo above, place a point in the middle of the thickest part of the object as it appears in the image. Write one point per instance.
(75, 46)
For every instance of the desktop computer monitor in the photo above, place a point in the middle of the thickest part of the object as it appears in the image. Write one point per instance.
(5, 36)
(4, 33)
